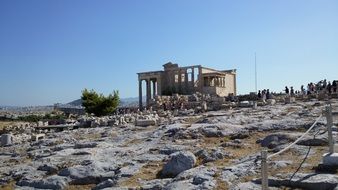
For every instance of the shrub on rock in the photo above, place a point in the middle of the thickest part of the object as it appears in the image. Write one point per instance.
(99, 104)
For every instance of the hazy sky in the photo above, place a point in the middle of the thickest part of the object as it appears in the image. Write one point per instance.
(51, 50)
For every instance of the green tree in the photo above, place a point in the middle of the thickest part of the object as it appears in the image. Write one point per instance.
(98, 104)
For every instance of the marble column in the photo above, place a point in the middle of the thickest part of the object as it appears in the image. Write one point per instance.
(179, 82)
(159, 85)
(193, 77)
(148, 92)
(186, 82)
(140, 94)
(154, 88)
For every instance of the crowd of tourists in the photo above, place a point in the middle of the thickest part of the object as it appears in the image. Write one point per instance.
(264, 94)
(322, 86)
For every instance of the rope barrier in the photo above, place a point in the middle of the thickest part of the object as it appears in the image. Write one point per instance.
(264, 153)
(292, 144)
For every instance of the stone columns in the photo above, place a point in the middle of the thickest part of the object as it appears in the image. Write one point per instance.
(140, 94)
(159, 85)
(154, 88)
(206, 81)
(179, 81)
(193, 76)
(235, 84)
(186, 82)
(148, 92)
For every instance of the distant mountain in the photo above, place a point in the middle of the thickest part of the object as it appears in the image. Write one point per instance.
(133, 101)
(76, 102)
(130, 102)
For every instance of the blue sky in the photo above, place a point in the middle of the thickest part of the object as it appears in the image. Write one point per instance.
(51, 50)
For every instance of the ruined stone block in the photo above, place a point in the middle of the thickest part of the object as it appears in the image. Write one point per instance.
(145, 122)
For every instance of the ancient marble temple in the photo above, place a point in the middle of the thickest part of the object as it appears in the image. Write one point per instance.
(186, 81)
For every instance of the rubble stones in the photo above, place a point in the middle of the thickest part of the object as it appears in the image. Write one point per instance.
(274, 140)
(50, 169)
(156, 184)
(308, 181)
(212, 131)
(243, 135)
(235, 172)
(145, 123)
(105, 184)
(83, 175)
(271, 101)
(53, 182)
(168, 150)
(178, 163)
(6, 139)
(311, 141)
(200, 177)
(213, 156)
(108, 156)
(290, 100)
(245, 104)
(85, 145)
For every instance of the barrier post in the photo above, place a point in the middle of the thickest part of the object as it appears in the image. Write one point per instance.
(264, 168)
(329, 120)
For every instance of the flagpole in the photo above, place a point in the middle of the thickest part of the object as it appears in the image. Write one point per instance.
(255, 73)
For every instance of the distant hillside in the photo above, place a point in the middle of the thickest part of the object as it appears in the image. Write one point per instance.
(123, 102)
(76, 102)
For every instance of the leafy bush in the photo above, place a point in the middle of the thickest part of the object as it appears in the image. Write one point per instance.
(36, 118)
(98, 104)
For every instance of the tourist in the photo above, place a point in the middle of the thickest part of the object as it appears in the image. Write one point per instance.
(264, 95)
(334, 86)
(287, 90)
(312, 88)
(329, 88)
(268, 95)
(324, 84)
(292, 91)
(318, 86)
(259, 95)
(302, 90)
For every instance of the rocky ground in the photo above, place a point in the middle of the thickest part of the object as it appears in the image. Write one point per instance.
(212, 150)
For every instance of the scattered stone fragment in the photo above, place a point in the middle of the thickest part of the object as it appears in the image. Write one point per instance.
(85, 145)
(53, 182)
(84, 175)
(106, 184)
(307, 181)
(274, 140)
(178, 163)
(243, 135)
(50, 169)
(145, 123)
(6, 140)
(310, 141)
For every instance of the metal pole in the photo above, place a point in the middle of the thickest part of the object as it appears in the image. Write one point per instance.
(256, 74)
(265, 182)
(329, 120)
